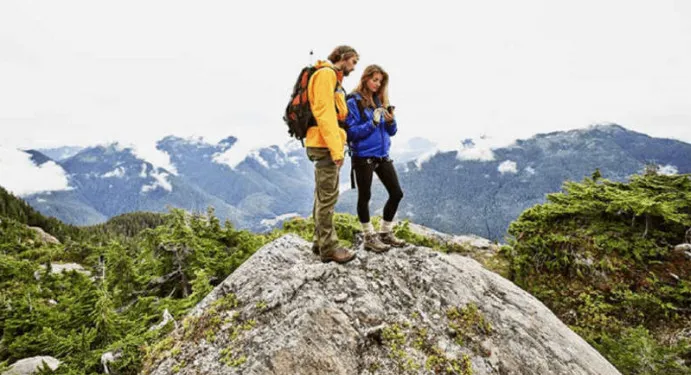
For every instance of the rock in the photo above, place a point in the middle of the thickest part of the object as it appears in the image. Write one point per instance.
(470, 240)
(411, 319)
(31, 365)
(683, 249)
(56, 268)
(45, 237)
(342, 297)
(110, 357)
(167, 317)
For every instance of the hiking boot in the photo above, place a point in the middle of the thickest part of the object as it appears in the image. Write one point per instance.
(389, 239)
(315, 249)
(374, 244)
(338, 255)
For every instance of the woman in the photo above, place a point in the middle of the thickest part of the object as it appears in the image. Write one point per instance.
(371, 123)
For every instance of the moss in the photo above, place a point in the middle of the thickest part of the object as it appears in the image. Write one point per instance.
(395, 339)
(162, 346)
(230, 358)
(441, 364)
(227, 302)
(399, 338)
(179, 366)
(373, 367)
(210, 335)
(470, 327)
(261, 305)
(210, 321)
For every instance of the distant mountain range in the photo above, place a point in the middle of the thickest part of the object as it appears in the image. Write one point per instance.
(462, 191)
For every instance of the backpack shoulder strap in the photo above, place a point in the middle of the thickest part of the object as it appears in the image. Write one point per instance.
(315, 70)
(358, 100)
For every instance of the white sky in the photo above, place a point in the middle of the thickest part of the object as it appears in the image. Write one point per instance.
(86, 72)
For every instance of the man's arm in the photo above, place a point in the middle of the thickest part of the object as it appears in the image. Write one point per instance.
(324, 110)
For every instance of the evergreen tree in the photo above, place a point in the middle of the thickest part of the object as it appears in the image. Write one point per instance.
(598, 254)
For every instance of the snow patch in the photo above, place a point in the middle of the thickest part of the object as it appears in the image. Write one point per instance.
(118, 172)
(290, 146)
(254, 154)
(272, 222)
(235, 155)
(161, 181)
(147, 151)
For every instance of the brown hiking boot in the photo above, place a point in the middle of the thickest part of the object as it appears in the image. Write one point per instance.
(374, 244)
(338, 255)
(389, 239)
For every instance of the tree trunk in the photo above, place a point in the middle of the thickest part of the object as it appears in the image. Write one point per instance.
(183, 278)
(648, 222)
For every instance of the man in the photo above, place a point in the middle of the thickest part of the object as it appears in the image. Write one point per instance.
(325, 147)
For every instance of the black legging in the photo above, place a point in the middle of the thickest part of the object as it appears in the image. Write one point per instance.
(364, 169)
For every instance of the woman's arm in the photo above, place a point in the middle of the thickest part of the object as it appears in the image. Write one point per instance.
(358, 128)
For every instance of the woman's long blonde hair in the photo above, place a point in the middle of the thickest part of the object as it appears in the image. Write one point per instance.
(364, 91)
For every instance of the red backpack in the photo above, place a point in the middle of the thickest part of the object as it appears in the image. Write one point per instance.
(298, 115)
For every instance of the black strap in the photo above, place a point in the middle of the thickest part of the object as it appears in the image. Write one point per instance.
(360, 106)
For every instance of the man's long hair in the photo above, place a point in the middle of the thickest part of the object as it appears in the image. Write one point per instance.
(342, 53)
(382, 94)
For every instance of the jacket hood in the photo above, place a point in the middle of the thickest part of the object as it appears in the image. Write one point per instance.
(324, 63)
(329, 64)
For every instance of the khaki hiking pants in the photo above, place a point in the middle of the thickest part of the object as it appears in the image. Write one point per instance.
(325, 197)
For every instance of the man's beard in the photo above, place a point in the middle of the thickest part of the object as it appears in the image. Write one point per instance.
(346, 72)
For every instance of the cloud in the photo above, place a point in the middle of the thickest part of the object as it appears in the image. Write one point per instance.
(147, 151)
(22, 177)
(479, 148)
(475, 153)
(62, 86)
(668, 170)
(507, 166)
(425, 157)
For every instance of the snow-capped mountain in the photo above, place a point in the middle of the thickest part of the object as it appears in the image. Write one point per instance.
(60, 153)
(480, 191)
(473, 189)
(111, 180)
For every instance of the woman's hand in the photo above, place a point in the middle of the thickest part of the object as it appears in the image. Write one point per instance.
(388, 116)
(379, 115)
